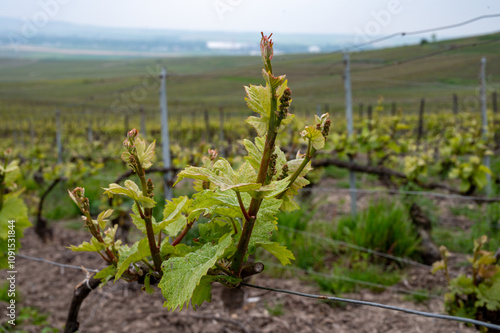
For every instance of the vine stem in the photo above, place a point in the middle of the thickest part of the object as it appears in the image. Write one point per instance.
(139, 209)
(222, 268)
(446, 274)
(2, 186)
(102, 256)
(45, 194)
(311, 151)
(246, 233)
(474, 269)
(242, 207)
(97, 234)
(81, 292)
(148, 213)
(182, 234)
(2, 183)
(148, 264)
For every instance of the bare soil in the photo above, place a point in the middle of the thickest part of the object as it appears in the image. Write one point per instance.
(123, 307)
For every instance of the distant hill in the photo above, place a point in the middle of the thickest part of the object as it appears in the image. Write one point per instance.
(401, 75)
(20, 38)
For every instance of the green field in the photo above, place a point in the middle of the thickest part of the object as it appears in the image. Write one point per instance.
(422, 182)
(403, 75)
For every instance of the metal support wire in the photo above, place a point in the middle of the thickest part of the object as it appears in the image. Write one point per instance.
(56, 263)
(377, 305)
(417, 193)
(354, 281)
(359, 248)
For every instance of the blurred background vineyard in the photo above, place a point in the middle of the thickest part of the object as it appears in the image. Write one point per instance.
(93, 102)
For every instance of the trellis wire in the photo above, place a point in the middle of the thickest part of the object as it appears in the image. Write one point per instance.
(81, 268)
(338, 299)
(359, 248)
(417, 32)
(348, 279)
(377, 305)
(425, 56)
(421, 193)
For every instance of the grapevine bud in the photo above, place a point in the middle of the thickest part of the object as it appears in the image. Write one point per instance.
(326, 128)
(132, 134)
(284, 172)
(79, 192)
(285, 99)
(78, 196)
(132, 160)
(133, 163)
(266, 50)
(130, 140)
(150, 188)
(445, 254)
(271, 171)
(212, 153)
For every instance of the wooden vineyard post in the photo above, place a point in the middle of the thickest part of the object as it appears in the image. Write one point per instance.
(21, 133)
(350, 127)
(494, 102)
(126, 123)
(58, 136)
(393, 109)
(5, 126)
(455, 104)
(143, 121)
(496, 122)
(420, 129)
(14, 134)
(484, 121)
(32, 131)
(360, 108)
(221, 131)
(207, 125)
(369, 115)
(90, 134)
(179, 121)
(318, 110)
(165, 139)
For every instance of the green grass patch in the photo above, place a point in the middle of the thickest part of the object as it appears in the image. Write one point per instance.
(385, 227)
(25, 315)
(335, 172)
(339, 283)
(420, 296)
(462, 241)
(275, 309)
(309, 253)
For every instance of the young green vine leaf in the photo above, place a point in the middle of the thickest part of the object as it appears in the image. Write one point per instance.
(13, 211)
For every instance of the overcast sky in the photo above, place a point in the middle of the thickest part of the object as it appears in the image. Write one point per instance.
(374, 18)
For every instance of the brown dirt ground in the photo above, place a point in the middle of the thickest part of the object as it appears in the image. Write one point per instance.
(123, 307)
